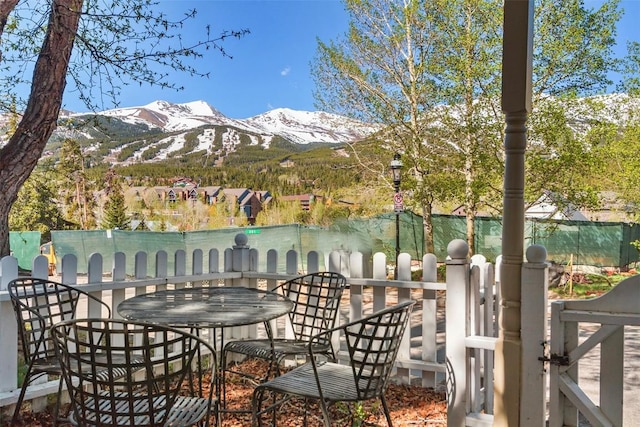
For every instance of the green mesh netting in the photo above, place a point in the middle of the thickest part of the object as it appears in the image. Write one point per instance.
(25, 246)
(590, 243)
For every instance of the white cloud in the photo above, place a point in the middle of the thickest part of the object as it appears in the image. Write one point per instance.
(285, 71)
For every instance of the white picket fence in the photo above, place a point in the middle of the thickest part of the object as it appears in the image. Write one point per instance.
(458, 315)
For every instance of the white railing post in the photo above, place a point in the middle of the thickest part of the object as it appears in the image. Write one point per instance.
(404, 294)
(534, 328)
(69, 267)
(8, 328)
(291, 261)
(380, 273)
(40, 267)
(337, 263)
(429, 318)
(241, 261)
(457, 318)
(94, 275)
(214, 261)
(313, 262)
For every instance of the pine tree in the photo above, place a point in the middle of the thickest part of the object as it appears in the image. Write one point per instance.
(115, 213)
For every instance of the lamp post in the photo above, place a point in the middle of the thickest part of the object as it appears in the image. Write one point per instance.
(398, 206)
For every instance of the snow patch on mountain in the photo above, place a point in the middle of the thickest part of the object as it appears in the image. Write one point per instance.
(301, 127)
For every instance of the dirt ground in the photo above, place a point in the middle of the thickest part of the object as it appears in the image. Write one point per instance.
(409, 406)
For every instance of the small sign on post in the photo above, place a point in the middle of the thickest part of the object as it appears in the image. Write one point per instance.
(398, 203)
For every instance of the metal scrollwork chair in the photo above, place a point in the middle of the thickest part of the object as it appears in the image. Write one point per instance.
(38, 304)
(372, 344)
(162, 380)
(316, 298)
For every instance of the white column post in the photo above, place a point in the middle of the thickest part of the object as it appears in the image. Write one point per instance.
(517, 61)
(534, 328)
(457, 318)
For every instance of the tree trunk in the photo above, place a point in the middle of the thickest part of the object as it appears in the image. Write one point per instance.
(21, 154)
(471, 231)
(427, 225)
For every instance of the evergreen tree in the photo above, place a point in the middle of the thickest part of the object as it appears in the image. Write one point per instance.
(115, 213)
(76, 193)
(36, 208)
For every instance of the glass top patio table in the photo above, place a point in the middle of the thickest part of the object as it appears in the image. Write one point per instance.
(206, 307)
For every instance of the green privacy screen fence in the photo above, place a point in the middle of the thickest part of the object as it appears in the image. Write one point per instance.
(25, 245)
(590, 243)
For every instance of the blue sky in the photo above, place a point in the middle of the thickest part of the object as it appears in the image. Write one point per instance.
(271, 65)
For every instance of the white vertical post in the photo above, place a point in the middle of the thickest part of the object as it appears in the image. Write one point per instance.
(429, 318)
(379, 272)
(40, 267)
(291, 260)
(517, 65)
(69, 267)
(240, 261)
(313, 262)
(457, 320)
(612, 376)
(403, 266)
(8, 331)
(94, 275)
(534, 328)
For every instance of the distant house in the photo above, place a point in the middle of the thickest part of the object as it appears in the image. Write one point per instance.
(547, 207)
(247, 201)
(305, 200)
(210, 195)
(166, 194)
(459, 211)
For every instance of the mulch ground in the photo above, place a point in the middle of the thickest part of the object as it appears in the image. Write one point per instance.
(409, 406)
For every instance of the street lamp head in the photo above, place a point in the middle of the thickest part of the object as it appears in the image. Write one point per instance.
(396, 166)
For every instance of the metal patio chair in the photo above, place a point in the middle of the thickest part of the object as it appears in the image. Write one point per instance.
(316, 298)
(162, 379)
(38, 304)
(372, 344)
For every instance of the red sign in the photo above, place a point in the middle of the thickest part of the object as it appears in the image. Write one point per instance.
(398, 205)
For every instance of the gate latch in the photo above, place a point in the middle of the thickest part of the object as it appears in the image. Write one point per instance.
(556, 359)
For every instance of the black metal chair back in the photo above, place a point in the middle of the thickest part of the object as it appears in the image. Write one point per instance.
(38, 304)
(135, 374)
(372, 345)
(316, 298)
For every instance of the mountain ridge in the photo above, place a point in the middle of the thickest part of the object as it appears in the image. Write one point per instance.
(300, 127)
(162, 130)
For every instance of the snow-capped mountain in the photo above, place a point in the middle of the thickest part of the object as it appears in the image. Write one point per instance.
(300, 127)
(304, 126)
(161, 129)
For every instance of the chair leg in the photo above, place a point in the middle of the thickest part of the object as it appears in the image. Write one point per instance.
(386, 410)
(256, 407)
(16, 411)
(23, 391)
(325, 413)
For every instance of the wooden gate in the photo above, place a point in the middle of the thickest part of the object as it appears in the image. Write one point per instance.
(607, 315)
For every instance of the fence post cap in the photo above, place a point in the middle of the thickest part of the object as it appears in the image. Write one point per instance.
(457, 249)
(536, 253)
(241, 240)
